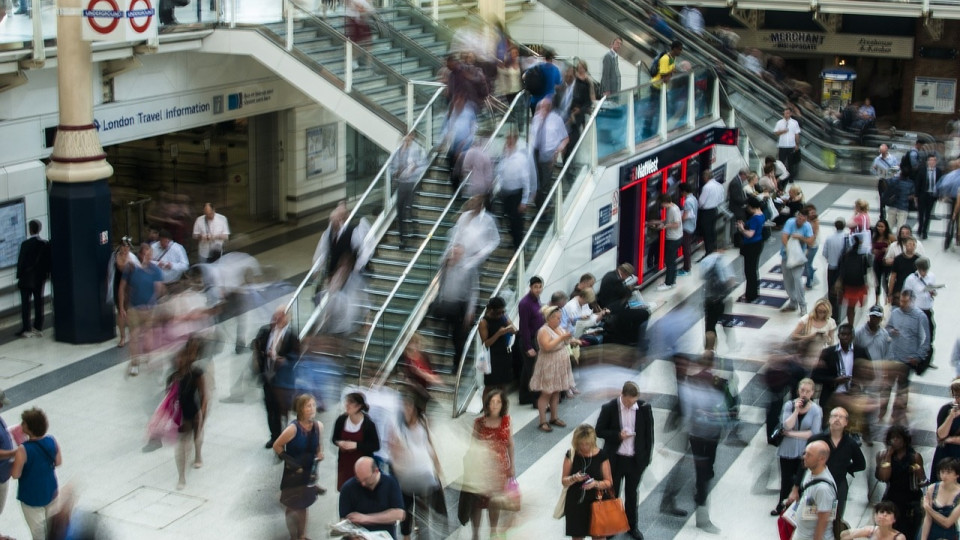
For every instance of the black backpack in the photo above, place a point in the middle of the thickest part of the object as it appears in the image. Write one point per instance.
(654, 68)
(534, 80)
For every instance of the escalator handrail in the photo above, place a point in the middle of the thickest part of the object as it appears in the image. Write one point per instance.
(526, 238)
(391, 357)
(472, 15)
(374, 184)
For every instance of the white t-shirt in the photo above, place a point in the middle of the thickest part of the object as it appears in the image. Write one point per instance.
(788, 139)
(215, 227)
(674, 216)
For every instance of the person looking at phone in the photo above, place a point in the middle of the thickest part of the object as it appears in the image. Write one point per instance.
(495, 329)
(816, 331)
(948, 429)
(801, 418)
(586, 469)
(924, 286)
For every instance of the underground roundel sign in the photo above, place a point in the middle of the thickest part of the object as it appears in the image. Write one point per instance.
(140, 15)
(103, 17)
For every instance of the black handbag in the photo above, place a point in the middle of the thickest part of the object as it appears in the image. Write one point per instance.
(776, 437)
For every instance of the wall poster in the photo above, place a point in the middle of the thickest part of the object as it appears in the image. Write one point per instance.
(934, 95)
(322, 149)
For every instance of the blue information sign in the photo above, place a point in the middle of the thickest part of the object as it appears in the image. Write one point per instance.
(603, 241)
(606, 213)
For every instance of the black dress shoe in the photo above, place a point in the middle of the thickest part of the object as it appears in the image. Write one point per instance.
(778, 510)
(633, 533)
(269, 444)
(673, 511)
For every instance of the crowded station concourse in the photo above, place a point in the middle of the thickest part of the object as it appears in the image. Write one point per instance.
(709, 409)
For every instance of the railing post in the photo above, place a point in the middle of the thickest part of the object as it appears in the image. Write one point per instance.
(732, 118)
(715, 104)
(746, 150)
(428, 135)
(387, 189)
(348, 67)
(594, 152)
(233, 13)
(410, 118)
(39, 51)
(691, 103)
(631, 122)
(521, 271)
(435, 10)
(662, 125)
(288, 7)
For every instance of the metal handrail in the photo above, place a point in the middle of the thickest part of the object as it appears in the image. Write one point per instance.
(390, 358)
(370, 188)
(526, 238)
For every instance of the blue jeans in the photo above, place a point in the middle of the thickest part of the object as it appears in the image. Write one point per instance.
(809, 270)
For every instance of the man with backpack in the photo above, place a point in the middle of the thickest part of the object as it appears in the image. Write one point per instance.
(817, 497)
(542, 79)
(661, 71)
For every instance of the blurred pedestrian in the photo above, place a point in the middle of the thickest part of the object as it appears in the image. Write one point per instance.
(456, 300)
(909, 345)
(547, 76)
(718, 281)
(459, 131)
(476, 232)
(549, 139)
(586, 474)
(552, 373)
(584, 95)
(358, 15)
(477, 171)
(275, 351)
(750, 248)
(121, 260)
(833, 249)
(881, 238)
(194, 403)
(342, 238)
(809, 271)
(416, 467)
(900, 466)
(517, 176)
(211, 230)
(34, 466)
(140, 288)
(797, 230)
(300, 448)
(33, 269)
(407, 167)
(492, 429)
(508, 76)
(853, 268)
(355, 435)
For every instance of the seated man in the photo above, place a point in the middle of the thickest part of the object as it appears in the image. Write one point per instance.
(627, 321)
(372, 499)
(170, 256)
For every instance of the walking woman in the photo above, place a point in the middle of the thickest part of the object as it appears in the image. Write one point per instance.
(34, 466)
(193, 406)
(586, 469)
(801, 418)
(881, 239)
(752, 246)
(552, 373)
(415, 466)
(355, 434)
(298, 446)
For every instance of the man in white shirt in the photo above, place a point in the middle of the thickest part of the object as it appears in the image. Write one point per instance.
(549, 137)
(211, 231)
(712, 195)
(692, 19)
(407, 166)
(340, 239)
(923, 284)
(170, 256)
(518, 175)
(833, 248)
(884, 166)
(673, 234)
(787, 132)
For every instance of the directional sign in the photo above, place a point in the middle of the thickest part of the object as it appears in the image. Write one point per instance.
(119, 20)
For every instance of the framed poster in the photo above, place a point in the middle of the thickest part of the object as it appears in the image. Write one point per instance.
(13, 230)
(322, 149)
(933, 95)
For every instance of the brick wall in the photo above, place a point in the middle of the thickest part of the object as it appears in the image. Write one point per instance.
(927, 67)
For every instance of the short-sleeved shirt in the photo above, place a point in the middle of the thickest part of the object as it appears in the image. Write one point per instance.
(666, 67)
(791, 227)
(788, 139)
(903, 266)
(817, 498)
(690, 207)
(385, 496)
(142, 282)
(755, 224)
(674, 216)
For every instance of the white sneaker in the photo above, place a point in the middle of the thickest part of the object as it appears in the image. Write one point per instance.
(36, 333)
(665, 287)
(789, 306)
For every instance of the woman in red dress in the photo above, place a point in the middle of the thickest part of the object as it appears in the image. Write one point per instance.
(355, 434)
(493, 429)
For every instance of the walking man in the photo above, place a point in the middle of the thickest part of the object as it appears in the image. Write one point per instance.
(33, 269)
(787, 132)
(626, 426)
(927, 195)
(796, 228)
(818, 493)
(211, 231)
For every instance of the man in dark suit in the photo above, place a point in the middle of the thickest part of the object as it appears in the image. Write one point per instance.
(275, 351)
(626, 426)
(33, 269)
(625, 325)
(835, 369)
(926, 189)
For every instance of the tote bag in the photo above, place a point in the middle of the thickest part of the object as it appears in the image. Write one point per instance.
(795, 255)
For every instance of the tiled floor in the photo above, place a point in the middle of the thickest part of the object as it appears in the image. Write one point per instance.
(98, 416)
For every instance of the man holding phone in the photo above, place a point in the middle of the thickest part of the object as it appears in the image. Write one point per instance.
(910, 343)
(626, 426)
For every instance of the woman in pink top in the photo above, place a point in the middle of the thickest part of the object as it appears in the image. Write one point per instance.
(861, 219)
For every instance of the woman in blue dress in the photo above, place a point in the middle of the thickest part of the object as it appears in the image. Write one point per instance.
(941, 504)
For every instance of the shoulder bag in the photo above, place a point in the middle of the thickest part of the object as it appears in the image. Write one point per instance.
(795, 255)
(607, 516)
(560, 509)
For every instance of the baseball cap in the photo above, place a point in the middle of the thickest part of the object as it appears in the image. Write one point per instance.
(4, 400)
(876, 311)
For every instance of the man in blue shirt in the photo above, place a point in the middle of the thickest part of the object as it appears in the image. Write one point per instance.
(551, 79)
(896, 198)
(372, 499)
(800, 229)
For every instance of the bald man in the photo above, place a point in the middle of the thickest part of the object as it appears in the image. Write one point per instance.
(817, 497)
(372, 499)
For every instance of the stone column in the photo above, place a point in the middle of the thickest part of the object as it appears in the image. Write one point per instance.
(492, 10)
(79, 195)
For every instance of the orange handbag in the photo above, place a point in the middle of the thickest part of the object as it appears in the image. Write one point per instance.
(607, 516)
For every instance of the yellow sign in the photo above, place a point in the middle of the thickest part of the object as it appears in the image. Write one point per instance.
(823, 43)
